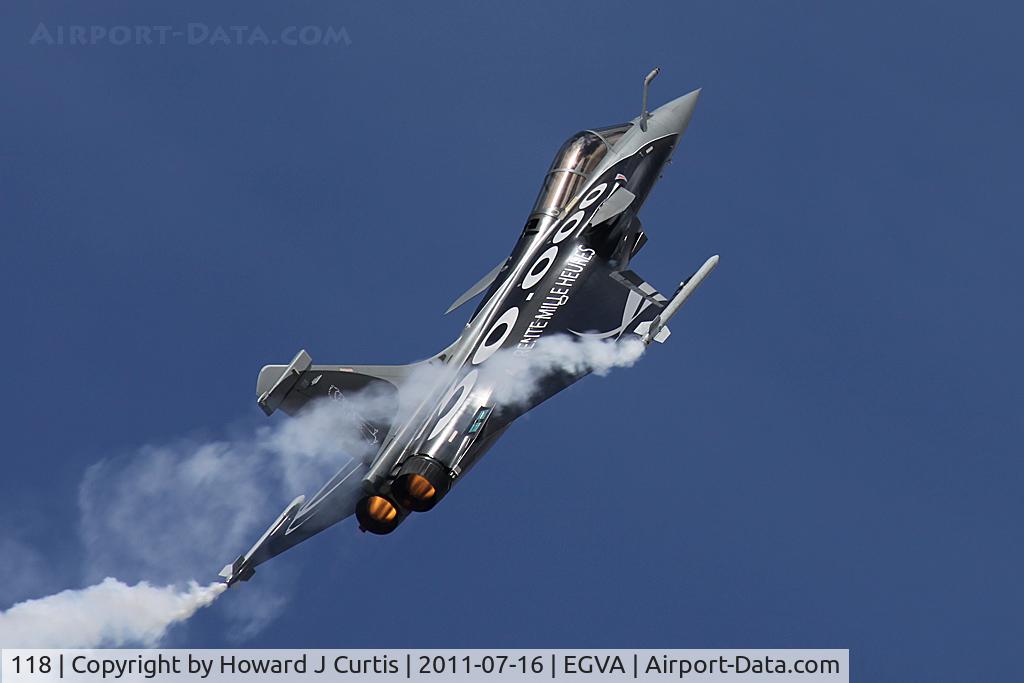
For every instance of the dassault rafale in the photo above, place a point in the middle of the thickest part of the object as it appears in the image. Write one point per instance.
(568, 274)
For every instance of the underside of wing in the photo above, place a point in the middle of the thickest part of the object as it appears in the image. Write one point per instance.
(611, 305)
(334, 502)
(293, 387)
(368, 393)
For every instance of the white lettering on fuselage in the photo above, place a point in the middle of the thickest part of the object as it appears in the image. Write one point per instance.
(557, 296)
(559, 293)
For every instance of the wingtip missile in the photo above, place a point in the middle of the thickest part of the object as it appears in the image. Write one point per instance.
(239, 570)
(686, 288)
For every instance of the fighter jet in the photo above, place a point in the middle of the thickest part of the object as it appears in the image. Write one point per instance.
(568, 274)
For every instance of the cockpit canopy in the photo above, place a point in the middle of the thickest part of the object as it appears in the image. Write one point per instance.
(572, 166)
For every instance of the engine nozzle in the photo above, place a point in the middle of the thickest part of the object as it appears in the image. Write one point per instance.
(421, 483)
(377, 514)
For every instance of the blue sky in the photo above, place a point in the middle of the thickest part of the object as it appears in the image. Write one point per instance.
(825, 454)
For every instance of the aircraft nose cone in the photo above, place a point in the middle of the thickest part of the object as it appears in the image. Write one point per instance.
(675, 116)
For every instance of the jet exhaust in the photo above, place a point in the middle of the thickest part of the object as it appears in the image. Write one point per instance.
(421, 483)
(378, 515)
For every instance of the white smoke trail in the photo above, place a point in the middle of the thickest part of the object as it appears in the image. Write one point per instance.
(165, 513)
(599, 356)
(169, 512)
(521, 374)
(109, 614)
(215, 495)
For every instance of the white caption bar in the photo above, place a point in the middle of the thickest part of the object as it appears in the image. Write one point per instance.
(425, 666)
